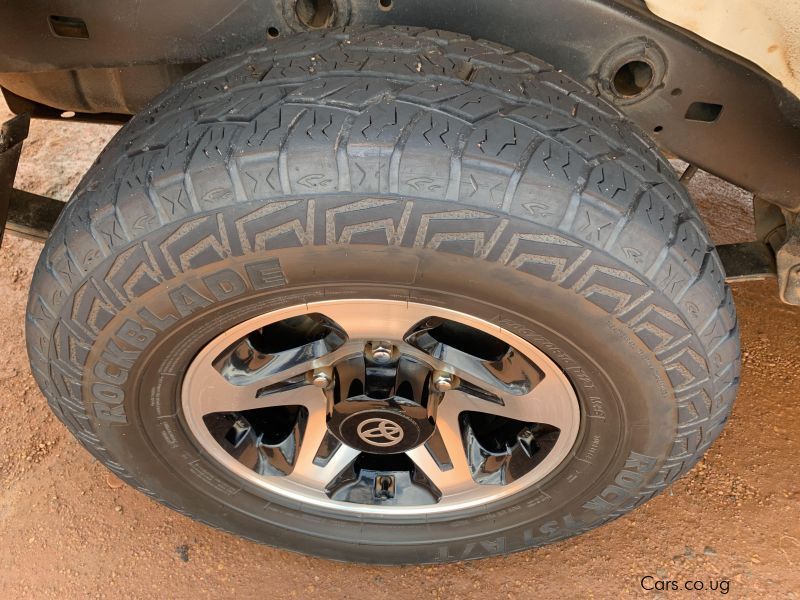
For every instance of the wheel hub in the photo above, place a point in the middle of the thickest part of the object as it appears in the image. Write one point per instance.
(380, 426)
(380, 420)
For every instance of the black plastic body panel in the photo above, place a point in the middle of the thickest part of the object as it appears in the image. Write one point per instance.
(754, 142)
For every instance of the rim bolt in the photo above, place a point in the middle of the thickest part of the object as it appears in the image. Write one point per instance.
(321, 379)
(381, 352)
(442, 382)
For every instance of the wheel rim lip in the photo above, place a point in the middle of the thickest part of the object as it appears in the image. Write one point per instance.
(295, 492)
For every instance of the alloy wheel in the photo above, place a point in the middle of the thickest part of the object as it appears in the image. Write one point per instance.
(380, 406)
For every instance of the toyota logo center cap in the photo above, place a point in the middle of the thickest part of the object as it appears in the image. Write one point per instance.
(380, 431)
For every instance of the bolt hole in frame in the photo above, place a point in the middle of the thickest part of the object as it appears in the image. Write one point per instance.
(632, 78)
(315, 14)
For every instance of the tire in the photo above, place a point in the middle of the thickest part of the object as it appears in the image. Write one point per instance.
(389, 164)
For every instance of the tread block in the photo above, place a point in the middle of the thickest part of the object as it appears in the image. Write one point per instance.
(481, 186)
(355, 95)
(499, 142)
(547, 256)
(536, 198)
(556, 161)
(596, 222)
(650, 221)
(367, 221)
(431, 133)
(466, 232)
(393, 41)
(508, 84)
(612, 182)
(133, 272)
(195, 243)
(473, 105)
(281, 224)
(310, 151)
(267, 132)
(244, 105)
(429, 93)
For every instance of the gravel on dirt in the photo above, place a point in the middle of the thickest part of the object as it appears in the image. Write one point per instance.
(70, 529)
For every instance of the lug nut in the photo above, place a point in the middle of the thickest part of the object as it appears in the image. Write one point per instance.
(381, 352)
(442, 382)
(321, 379)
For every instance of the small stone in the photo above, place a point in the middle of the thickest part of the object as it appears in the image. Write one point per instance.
(183, 552)
(113, 481)
(709, 551)
(118, 508)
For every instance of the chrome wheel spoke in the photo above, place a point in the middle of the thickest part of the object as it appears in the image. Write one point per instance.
(306, 471)
(513, 375)
(541, 405)
(369, 320)
(217, 394)
(288, 368)
(451, 481)
(451, 473)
